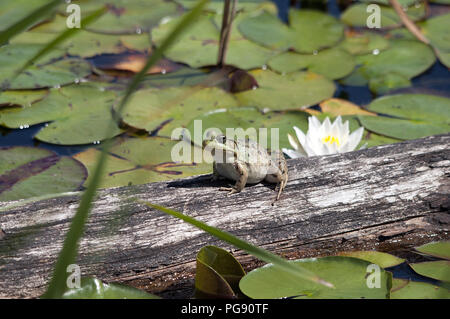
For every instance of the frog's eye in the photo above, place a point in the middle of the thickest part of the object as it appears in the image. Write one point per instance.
(221, 139)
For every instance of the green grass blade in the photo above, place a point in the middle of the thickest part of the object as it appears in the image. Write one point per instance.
(28, 21)
(68, 253)
(259, 253)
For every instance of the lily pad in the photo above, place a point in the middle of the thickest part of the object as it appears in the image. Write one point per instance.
(372, 139)
(79, 114)
(217, 5)
(403, 60)
(348, 275)
(335, 107)
(440, 249)
(217, 274)
(134, 161)
(332, 63)
(436, 30)
(44, 73)
(358, 43)
(128, 17)
(439, 270)
(404, 289)
(199, 45)
(185, 77)
(356, 15)
(308, 30)
(250, 120)
(294, 90)
(22, 97)
(28, 172)
(14, 11)
(88, 44)
(384, 260)
(92, 288)
(169, 108)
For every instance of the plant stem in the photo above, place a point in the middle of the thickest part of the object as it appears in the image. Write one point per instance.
(227, 20)
(407, 22)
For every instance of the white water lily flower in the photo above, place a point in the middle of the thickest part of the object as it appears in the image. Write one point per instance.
(323, 138)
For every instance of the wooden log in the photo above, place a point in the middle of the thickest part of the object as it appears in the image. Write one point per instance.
(388, 198)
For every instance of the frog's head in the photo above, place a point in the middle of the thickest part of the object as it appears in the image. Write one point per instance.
(218, 144)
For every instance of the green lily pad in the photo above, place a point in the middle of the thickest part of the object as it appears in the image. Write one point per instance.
(333, 63)
(14, 11)
(294, 90)
(92, 288)
(404, 60)
(384, 260)
(440, 249)
(88, 44)
(439, 270)
(403, 3)
(199, 45)
(134, 161)
(128, 17)
(356, 15)
(373, 139)
(183, 77)
(217, 5)
(149, 109)
(308, 30)
(404, 289)
(79, 114)
(20, 98)
(436, 30)
(348, 275)
(250, 120)
(358, 43)
(217, 274)
(390, 81)
(44, 73)
(28, 172)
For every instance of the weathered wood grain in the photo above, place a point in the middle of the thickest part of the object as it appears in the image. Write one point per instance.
(387, 198)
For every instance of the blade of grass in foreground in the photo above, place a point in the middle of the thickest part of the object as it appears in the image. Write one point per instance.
(68, 253)
(28, 21)
(259, 253)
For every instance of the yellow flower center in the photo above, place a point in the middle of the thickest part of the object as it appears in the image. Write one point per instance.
(330, 140)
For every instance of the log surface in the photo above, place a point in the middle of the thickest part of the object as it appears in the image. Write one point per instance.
(388, 198)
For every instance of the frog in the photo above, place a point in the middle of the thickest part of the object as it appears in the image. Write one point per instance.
(245, 161)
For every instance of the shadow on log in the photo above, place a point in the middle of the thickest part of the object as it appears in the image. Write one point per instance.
(389, 198)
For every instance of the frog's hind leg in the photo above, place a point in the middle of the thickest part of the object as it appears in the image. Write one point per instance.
(240, 183)
(280, 176)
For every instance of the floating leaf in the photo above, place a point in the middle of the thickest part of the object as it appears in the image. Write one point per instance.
(384, 260)
(440, 249)
(295, 90)
(183, 77)
(335, 107)
(358, 43)
(251, 120)
(217, 274)
(404, 289)
(173, 107)
(92, 288)
(439, 270)
(333, 63)
(88, 44)
(135, 161)
(373, 139)
(436, 30)
(308, 30)
(356, 15)
(41, 75)
(199, 45)
(241, 5)
(13, 11)
(402, 61)
(28, 172)
(79, 115)
(21, 98)
(348, 275)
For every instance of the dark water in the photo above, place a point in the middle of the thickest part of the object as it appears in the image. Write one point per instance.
(434, 81)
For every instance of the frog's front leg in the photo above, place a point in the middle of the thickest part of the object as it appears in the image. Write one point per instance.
(240, 182)
(280, 175)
